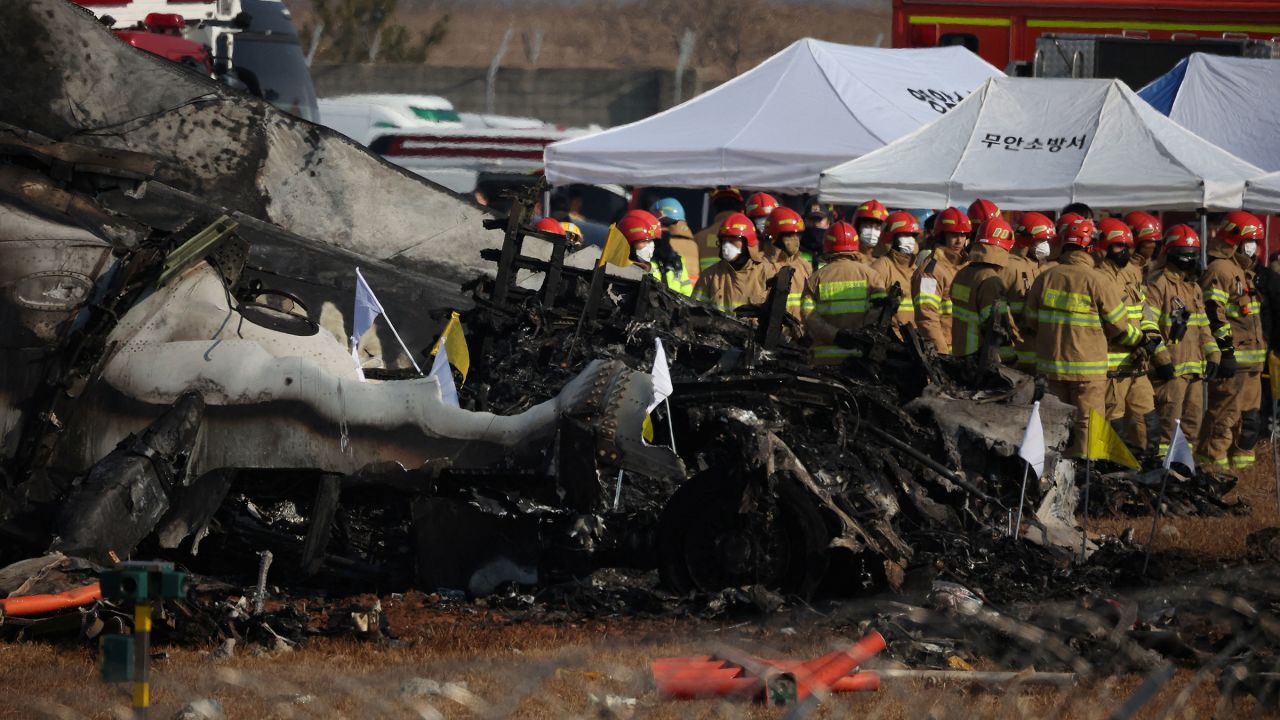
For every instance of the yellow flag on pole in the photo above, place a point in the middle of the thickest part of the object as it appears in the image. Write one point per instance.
(617, 251)
(1105, 444)
(455, 345)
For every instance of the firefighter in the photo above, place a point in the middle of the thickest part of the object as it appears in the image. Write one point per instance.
(980, 211)
(1074, 311)
(983, 324)
(784, 229)
(725, 200)
(759, 207)
(1034, 242)
(897, 265)
(1232, 421)
(1190, 353)
(670, 212)
(574, 235)
(1146, 238)
(739, 276)
(643, 232)
(1077, 208)
(1129, 393)
(868, 220)
(816, 223)
(837, 297)
(931, 283)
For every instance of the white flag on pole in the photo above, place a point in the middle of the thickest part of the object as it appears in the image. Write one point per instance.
(1179, 449)
(367, 310)
(1032, 449)
(662, 387)
(443, 374)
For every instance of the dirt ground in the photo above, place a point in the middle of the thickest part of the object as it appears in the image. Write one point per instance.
(486, 663)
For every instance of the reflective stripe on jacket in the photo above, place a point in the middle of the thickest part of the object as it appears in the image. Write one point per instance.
(837, 297)
(1073, 310)
(726, 288)
(1166, 290)
(931, 290)
(1228, 283)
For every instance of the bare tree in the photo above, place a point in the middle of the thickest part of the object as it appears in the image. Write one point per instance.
(368, 31)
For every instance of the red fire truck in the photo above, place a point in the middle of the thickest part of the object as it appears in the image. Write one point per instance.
(1134, 40)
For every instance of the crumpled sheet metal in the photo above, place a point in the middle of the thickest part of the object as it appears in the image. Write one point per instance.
(73, 77)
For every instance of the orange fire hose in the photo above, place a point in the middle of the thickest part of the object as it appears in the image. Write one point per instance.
(39, 604)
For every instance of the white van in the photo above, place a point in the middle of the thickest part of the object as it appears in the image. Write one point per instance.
(364, 117)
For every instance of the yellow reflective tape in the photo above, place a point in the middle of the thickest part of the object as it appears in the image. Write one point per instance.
(141, 694)
(1069, 301)
(958, 20)
(1147, 25)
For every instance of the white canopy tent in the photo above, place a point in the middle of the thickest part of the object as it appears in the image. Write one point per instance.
(781, 123)
(1263, 194)
(1232, 102)
(1034, 144)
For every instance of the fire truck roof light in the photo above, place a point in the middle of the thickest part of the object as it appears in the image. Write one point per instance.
(165, 21)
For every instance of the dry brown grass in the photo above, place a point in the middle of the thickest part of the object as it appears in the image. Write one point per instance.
(553, 676)
(1221, 538)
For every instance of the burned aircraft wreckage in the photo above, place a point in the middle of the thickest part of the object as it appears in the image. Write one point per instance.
(169, 390)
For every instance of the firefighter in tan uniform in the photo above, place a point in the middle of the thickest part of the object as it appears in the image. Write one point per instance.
(1073, 311)
(901, 238)
(1130, 396)
(670, 212)
(725, 201)
(738, 279)
(1190, 352)
(837, 297)
(1232, 422)
(931, 283)
(784, 228)
(980, 296)
(1034, 238)
(868, 221)
(1147, 235)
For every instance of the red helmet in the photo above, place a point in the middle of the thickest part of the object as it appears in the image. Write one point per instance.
(1146, 227)
(549, 225)
(1239, 226)
(901, 223)
(761, 205)
(841, 237)
(996, 232)
(726, 192)
(738, 226)
(983, 210)
(639, 226)
(782, 221)
(952, 220)
(871, 210)
(1181, 236)
(1034, 226)
(1077, 230)
(1112, 232)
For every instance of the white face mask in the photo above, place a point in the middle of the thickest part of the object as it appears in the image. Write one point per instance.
(729, 251)
(645, 253)
(869, 237)
(1249, 249)
(905, 244)
(1041, 250)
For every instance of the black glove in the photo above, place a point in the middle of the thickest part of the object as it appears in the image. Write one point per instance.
(1163, 373)
(1210, 370)
(846, 339)
(1227, 368)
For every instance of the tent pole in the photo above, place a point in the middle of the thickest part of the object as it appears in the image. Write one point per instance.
(706, 208)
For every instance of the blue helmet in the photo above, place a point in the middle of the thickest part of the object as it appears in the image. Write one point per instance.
(669, 210)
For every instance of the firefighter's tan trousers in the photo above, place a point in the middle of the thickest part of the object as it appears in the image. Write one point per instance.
(1085, 395)
(1228, 400)
(1181, 398)
(1131, 398)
